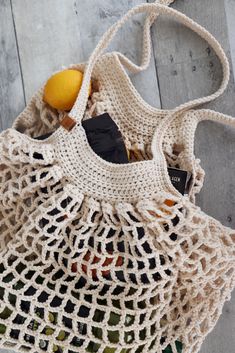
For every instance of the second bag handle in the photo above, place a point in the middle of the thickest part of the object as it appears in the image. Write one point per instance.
(155, 9)
(147, 44)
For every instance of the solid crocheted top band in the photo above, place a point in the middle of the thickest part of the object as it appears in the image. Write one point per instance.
(152, 10)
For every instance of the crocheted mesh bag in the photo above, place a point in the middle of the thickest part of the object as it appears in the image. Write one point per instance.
(102, 257)
(136, 119)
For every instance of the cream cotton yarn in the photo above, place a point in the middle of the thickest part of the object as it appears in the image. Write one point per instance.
(63, 205)
(136, 119)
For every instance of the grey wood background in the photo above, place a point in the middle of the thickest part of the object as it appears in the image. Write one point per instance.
(38, 37)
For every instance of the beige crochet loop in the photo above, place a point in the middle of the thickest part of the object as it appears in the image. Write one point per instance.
(97, 257)
(146, 50)
(153, 10)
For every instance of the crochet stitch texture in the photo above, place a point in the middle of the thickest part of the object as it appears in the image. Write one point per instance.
(113, 253)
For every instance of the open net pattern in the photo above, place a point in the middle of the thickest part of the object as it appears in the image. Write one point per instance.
(85, 275)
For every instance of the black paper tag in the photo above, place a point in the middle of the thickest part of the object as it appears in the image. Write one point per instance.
(180, 179)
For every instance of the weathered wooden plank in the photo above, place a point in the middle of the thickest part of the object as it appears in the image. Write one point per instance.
(66, 31)
(11, 88)
(48, 38)
(187, 68)
(230, 12)
(185, 63)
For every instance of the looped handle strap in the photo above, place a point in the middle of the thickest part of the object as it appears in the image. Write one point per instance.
(159, 134)
(147, 44)
(152, 9)
(211, 115)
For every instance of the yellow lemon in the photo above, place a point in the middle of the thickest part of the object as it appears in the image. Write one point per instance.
(62, 88)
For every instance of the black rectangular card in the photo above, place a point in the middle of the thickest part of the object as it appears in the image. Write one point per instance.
(105, 138)
(180, 179)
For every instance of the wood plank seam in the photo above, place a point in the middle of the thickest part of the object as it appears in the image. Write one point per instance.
(18, 51)
(155, 63)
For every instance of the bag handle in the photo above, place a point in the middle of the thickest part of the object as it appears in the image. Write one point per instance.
(77, 112)
(159, 134)
(147, 44)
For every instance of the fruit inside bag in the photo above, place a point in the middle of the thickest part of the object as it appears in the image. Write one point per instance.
(129, 337)
(106, 140)
(97, 331)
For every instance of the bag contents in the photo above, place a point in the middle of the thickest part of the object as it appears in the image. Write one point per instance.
(107, 142)
(62, 88)
(105, 138)
(180, 179)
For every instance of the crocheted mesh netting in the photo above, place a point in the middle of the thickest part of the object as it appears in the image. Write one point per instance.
(99, 257)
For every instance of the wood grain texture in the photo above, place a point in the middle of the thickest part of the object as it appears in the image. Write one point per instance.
(48, 37)
(61, 32)
(230, 12)
(11, 88)
(185, 62)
